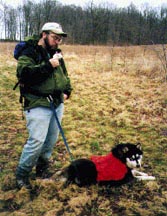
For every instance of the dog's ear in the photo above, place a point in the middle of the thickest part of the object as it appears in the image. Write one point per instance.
(125, 149)
(138, 145)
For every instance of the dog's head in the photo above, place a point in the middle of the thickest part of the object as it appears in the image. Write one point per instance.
(128, 153)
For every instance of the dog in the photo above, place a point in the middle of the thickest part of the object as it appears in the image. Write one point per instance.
(114, 169)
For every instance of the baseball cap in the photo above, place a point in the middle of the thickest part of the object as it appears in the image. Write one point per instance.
(54, 27)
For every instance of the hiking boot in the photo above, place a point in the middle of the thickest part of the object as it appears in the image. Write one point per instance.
(42, 169)
(23, 182)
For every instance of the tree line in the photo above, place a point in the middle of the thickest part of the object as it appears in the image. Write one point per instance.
(102, 24)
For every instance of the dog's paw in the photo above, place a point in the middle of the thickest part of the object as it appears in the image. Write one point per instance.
(145, 178)
(142, 176)
(136, 173)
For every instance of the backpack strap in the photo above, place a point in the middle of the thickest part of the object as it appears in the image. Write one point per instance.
(15, 86)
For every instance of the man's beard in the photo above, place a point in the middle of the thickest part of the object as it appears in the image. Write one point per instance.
(48, 47)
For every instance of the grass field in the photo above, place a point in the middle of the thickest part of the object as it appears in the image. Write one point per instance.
(119, 96)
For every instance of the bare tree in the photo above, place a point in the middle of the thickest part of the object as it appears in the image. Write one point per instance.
(19, 22)
(5, 9)
(27, 15)
(11, 24)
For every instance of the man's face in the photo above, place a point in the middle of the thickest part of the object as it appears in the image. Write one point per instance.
(52, 40)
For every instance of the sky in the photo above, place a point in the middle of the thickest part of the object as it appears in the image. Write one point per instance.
(117, 3)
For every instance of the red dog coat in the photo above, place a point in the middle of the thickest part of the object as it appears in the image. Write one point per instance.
(109, 168)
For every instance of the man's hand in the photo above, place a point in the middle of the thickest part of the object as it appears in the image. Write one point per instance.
(65, 97)
(54, 62)
(57, 55)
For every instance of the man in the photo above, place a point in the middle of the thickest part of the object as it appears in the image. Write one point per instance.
(41, 73)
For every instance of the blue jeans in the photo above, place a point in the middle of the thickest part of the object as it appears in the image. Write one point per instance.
(43, 134)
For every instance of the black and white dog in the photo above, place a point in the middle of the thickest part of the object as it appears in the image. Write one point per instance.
(115, 168)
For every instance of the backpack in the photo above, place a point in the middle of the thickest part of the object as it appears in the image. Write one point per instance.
(22, 48)
(19, 48)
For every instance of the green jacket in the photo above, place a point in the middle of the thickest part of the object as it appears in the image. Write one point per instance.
(38, 78)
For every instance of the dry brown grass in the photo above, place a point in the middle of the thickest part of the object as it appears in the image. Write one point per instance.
(119, 96)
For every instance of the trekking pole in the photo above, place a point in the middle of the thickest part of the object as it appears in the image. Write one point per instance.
(50, 99)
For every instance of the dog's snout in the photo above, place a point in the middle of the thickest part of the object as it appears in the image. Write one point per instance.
(138, 166)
